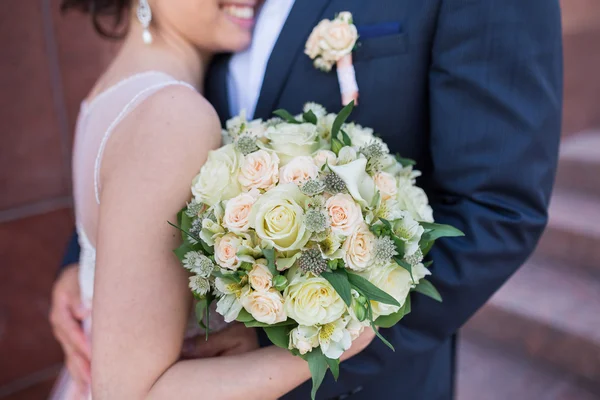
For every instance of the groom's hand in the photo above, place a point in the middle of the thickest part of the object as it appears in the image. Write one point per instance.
(235, 339)
(66, 317)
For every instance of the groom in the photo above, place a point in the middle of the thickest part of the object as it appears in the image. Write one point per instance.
(470, 89)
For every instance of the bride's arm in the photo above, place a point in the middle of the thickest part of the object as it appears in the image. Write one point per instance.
(141, 302)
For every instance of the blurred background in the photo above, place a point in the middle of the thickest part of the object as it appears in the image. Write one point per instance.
(538, 338)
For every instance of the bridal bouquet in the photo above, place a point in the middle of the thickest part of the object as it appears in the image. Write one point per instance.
(308, 227)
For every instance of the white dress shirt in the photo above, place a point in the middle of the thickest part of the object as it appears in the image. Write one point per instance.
(247, 68)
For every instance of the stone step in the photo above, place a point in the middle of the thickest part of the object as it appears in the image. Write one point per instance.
(548, 314)
(579, 165)
(486, 372)
(572, 237)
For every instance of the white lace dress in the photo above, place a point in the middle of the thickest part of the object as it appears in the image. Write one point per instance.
(97, 121)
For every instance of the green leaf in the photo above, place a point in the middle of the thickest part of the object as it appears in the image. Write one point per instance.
(387, 321)
(200, 310)
(371, 291)
(270, 256)
(435, 231)
(425, 246)
(334, 366)
(339, 280)
(278, 335)
(404, 265)
(400, 246)
(244, 316)
(336, 146)
(380, 336)
(425, 287)
(427, 264)
(182, 250)
(310, 117)
(286, 116)
(257, 324)
(317, 364)
(405, 162)
(341, 118)
(346, 139)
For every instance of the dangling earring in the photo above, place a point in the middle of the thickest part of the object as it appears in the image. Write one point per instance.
(144, 14)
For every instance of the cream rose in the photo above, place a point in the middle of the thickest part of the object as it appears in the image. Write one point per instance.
(278, 218)
(260, 278)
(259, 170)
(358, 248)
(217, 179)
(344, 213)
(292, 140)
(323, 157)
(237, 211)
(386, 183)
(338, 39)
(312, 48)
(304, 338)
(226, 248)
(393, 280)
(265, 307)
(298, 170)
(312, 301)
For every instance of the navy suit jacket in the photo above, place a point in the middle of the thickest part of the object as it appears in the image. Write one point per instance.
(470, 89)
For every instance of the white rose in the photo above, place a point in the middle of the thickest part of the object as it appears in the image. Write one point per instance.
(323, 157)
(237, 212)
(226, 248)
(344, 213)
(217, 179)
(386, 183)
(358, 135)
(304, 338)
(278, 218)
(414, 200)
(265, 307)
(292, 140)
(338, 39)
(298, 170)
(358, 248)
(259, 170)
(410, 232)
(260, 278)
(359, 184)
(393, 280)
(312, 301)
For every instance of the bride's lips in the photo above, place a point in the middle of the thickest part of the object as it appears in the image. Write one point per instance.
(240, 13)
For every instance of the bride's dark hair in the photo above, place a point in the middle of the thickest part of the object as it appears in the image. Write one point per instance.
(99, 10)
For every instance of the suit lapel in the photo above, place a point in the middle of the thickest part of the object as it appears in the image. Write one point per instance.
(305, 14)
(216, 86)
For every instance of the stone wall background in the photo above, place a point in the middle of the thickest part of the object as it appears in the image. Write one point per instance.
(48, 63)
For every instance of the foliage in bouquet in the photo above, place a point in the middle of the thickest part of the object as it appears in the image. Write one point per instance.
(306, 226)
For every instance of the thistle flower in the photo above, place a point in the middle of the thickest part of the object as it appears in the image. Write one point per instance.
(199, 285)
(312, 187)
(316, 221)
(373, 149)
(334, 184)
(198, 263)
(246, 144)
(416, 258)
(384, 250)
(194, 208)
(312, 261)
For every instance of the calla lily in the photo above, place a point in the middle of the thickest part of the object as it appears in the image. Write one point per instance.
(360, 184)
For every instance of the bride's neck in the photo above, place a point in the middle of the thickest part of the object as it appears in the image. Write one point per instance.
(168, 53)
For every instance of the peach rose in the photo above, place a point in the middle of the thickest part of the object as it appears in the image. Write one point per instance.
(312, 48)
(298, 170)
(226, 248)
(237, 211)
(260, 277)
(265, 307)
(386, 183)
(338, 39)
(358, 248)
(344, 213)
(259, 170)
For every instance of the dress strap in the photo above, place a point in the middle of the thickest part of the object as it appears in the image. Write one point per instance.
(135, 101)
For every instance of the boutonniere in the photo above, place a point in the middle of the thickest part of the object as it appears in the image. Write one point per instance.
(331, 43)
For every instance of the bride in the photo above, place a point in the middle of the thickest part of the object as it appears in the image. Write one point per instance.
(142, 134)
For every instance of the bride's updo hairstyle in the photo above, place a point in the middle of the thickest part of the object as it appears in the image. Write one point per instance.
(101, 11)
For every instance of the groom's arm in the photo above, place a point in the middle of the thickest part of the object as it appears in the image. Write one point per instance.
(495, 103)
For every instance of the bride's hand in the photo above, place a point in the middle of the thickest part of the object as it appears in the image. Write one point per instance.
(235, 339)
(359, 344)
